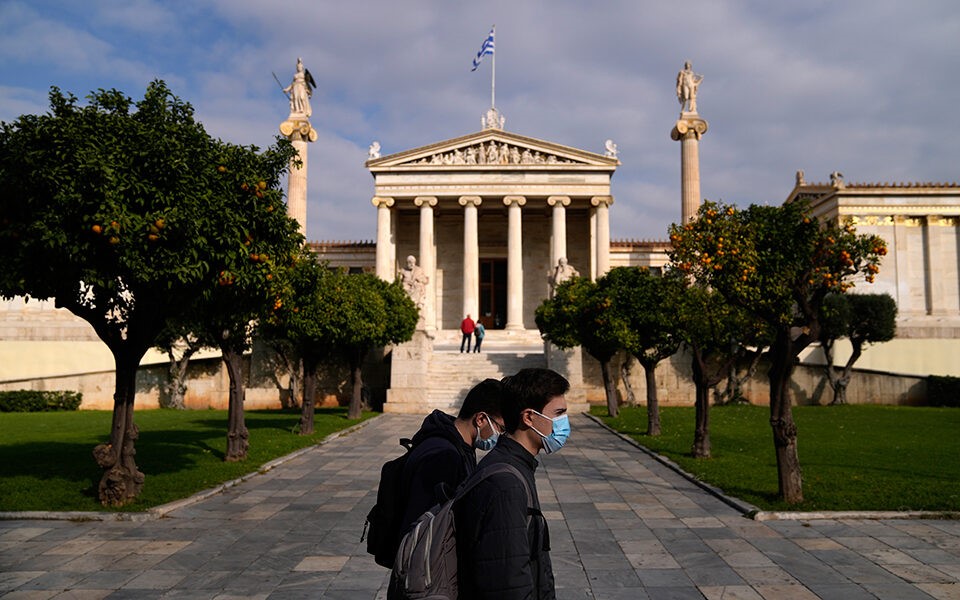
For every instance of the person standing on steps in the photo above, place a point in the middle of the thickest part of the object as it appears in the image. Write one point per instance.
(466, 328)
(478, 332)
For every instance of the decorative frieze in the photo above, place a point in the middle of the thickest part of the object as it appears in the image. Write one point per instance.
(492, 153)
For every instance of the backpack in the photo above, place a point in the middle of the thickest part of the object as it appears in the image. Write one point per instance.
(426, 564)
(382, 529)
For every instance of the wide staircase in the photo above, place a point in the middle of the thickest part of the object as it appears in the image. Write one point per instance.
(452, 374)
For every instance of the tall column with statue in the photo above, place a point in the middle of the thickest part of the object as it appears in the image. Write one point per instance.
(688, 130)
(298, 130)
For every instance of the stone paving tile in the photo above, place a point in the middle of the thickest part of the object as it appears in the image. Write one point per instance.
(622, 526)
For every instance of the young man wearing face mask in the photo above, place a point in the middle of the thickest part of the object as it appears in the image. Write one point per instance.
(445, 448)
(502, 541)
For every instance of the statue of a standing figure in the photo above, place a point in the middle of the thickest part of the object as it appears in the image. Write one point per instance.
(414, 281)
(687, 84)
(300, 90)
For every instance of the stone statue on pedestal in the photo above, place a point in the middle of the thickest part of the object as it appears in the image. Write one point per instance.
(300, 90)
(562, 272)
(414, 281)
(373, 151)
(687, 84)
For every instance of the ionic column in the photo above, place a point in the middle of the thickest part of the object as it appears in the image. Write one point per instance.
(688, 131)
(514, 261)
(428, 259)
(593, 244)
(385, 249)
(603, 232)
(558, 248)
(297, 129)
(471, 257)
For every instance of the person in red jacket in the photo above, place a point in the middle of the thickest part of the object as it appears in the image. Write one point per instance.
(466, 328)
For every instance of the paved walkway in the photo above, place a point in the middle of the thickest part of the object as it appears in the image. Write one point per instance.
(622, 526)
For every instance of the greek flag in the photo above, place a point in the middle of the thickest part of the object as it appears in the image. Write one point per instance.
(485, 49)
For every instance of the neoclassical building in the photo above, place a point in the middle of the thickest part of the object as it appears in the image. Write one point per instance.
(488, 217)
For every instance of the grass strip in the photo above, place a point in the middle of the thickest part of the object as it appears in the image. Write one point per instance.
(853, 457)
(46, 460)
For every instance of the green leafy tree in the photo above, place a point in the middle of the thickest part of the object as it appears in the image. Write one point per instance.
(179, 344)
(331, 315)
(581, 313)
(646, 303)
(714, 330)
(115, 209)
(228, 312)
(861, 318)
(777, 263)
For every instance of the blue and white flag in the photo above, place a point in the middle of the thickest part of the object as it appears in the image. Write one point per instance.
(485, 49)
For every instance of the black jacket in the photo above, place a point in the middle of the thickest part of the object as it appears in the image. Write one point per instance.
(500, 555)
(440, 456)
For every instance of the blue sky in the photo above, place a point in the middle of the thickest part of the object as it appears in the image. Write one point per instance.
(869, 88)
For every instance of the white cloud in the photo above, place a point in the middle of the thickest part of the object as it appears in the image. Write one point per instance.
(864, 87)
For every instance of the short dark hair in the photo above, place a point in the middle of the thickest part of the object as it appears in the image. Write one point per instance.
(485, 397)
(529, 388)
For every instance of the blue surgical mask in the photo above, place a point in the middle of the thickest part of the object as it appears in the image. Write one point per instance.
(490, 442)
(559, 434)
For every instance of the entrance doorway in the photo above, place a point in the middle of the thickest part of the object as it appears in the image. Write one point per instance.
(493, 292)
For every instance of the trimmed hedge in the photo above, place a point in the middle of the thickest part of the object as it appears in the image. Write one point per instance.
(33, 401)
(943, 391)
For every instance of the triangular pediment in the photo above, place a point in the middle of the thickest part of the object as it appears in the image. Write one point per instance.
(493, 148)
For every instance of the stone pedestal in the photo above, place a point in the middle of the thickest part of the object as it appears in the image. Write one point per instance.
(569, 363)
(409, 369)
(688, 130)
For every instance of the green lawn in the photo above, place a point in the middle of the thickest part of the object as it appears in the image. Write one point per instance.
(46, 460)
(853, 457)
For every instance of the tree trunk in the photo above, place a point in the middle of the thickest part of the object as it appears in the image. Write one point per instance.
(701, 435)
(609, 388)
(309, 396)
(781, 420)
(356, 372)
(298, 382)
(625, 378)
(843, 380)
(176, 386)
(122, 481)
(653, 404)
(237, 434)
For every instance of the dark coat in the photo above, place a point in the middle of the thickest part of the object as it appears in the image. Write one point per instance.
(499, 555)
(439, 456)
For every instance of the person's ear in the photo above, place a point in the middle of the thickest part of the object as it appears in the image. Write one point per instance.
(526, 418)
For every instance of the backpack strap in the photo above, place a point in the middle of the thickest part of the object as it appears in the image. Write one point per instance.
(491, 470)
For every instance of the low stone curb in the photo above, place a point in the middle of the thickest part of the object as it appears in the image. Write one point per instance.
(752, 512)
(159, 512)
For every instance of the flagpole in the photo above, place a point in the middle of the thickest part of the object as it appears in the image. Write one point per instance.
(493, 72)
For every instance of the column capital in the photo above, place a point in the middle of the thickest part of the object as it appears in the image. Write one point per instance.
(561, 200)
(379, 201)
(688, 127)
(425, 200)
(474, 200)
(519, 200)
(598, 200)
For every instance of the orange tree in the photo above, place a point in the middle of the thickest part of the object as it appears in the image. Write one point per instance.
(117, 210)
(715, 332)
(227, 313)
(326, 314)
(647, 305)
(777, 263)
(861, 318)
(582, 313)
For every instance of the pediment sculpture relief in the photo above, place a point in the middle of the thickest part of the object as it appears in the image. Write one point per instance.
(493, 153)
